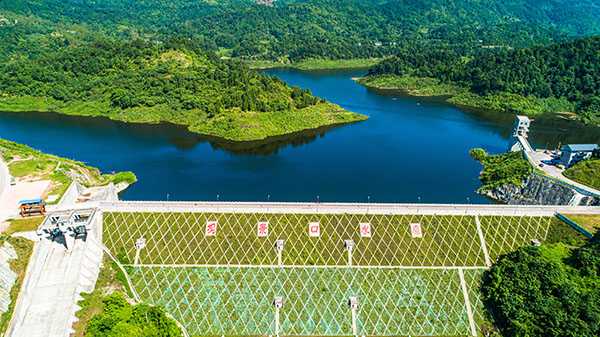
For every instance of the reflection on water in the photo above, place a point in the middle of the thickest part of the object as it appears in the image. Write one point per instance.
(548, 130)
(270, 145)
(177, 135)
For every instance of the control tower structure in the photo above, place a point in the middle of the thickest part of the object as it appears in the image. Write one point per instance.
(520, 129)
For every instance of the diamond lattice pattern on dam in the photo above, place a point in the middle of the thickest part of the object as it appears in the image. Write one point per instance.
(224, 284)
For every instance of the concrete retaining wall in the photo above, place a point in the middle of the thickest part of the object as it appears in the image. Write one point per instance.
(72, 194)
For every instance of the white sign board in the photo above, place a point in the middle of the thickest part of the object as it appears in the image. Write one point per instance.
(415, 230)
(365, 229)
(314, 229)
(211, 228)
(263, 229)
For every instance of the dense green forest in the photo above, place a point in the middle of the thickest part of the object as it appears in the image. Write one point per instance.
(119, 318)
(294, 30)
(546, 291)
(175, 81)
(558, 77)
(500, 169)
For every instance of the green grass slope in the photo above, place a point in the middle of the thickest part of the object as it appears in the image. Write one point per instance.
(585, 172)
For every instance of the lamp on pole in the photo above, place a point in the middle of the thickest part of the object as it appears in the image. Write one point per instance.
(268, 197)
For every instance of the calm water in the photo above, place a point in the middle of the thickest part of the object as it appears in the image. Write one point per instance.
(404, 152)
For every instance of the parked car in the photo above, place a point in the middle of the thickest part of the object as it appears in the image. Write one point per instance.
(13, 181)
(541, 165)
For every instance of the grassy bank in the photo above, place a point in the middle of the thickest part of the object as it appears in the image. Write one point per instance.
(238, 126)
(591, 222)
(315, 64)
(506, 168)
(504, 101)
(27, 164)
(585, 172)
(418, 86)
(515, 103)
(234, 124)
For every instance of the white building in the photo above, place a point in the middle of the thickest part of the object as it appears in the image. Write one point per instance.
(574, 153)
(520, 128)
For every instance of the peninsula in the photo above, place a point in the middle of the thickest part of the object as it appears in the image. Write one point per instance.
(175, 81)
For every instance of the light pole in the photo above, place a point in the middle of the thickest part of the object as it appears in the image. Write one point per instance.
(468, 200)
(167, 197)
(268, 197)
(318, 199)
(217, 197)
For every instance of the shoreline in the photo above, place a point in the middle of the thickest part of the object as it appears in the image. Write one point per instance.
(446, 100)
(314, 64)
(214, 137)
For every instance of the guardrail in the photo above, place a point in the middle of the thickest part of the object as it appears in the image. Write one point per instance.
(576, 188)
(575, 225)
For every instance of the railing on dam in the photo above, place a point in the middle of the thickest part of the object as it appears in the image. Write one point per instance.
(574, 225)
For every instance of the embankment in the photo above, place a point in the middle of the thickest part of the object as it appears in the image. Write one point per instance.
(536, 190)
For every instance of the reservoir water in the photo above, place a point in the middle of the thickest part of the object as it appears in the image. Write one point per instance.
(410, 150)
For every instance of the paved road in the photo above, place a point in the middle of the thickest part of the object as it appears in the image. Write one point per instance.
(551, 170)
(555, 172)
(278, 207)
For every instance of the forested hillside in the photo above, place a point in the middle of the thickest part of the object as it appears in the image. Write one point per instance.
(559, 77)
(171, 82)
(546, 291)
(294, 30)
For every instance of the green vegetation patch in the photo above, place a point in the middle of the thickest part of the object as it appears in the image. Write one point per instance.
(499, 101)
(243, 126)
(591, 222)
(119, 318)
(312, 63)
(506, 168)
(419, 86)
(585, 172)
(546, 291)
(561, 232)
(179, 238)
(239, 301)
